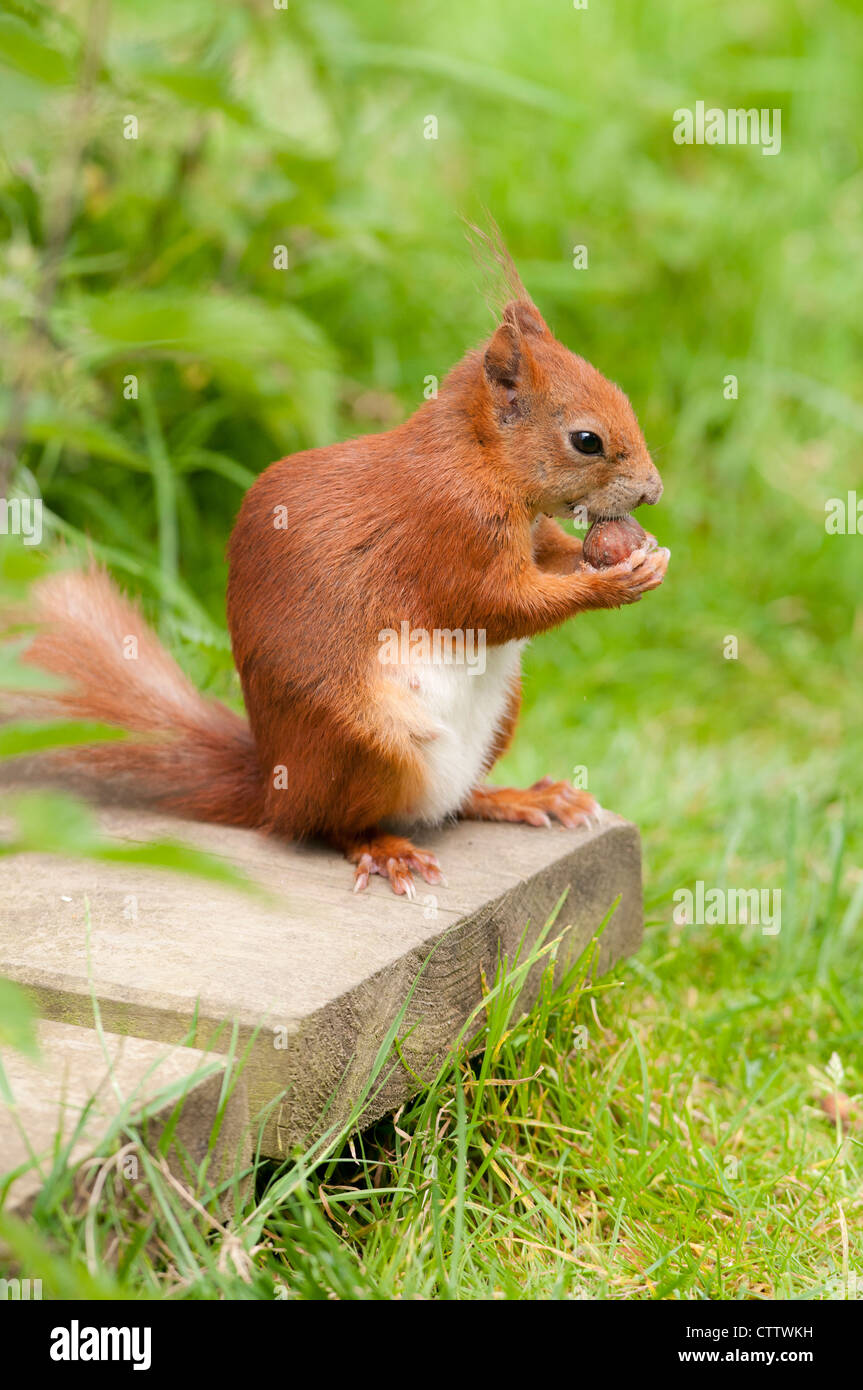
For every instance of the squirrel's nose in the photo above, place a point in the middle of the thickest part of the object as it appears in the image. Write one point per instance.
(652, 492)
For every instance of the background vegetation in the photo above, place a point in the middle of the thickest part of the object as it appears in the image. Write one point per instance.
(304, 128)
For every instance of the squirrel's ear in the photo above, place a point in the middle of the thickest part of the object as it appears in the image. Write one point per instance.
(503, 356)
(525, 317)
(504, 360)
(503, 366)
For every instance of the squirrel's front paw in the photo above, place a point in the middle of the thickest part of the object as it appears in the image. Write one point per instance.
(625, 582)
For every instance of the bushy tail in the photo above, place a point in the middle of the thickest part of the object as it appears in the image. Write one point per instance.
(196, 757)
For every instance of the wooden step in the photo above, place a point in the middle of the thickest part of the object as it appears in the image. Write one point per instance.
(314, 977)
(83, 1084)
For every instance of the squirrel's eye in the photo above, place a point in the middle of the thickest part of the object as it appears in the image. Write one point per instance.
(586, 442)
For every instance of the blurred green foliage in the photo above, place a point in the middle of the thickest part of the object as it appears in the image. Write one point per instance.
(260, 128)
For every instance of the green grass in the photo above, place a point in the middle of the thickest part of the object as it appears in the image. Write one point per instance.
(608, 1173)
(654, 1140)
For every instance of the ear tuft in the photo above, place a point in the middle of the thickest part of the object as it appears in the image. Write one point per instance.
(525, 317)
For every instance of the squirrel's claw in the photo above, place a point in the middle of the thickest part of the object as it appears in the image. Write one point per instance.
(395, 859)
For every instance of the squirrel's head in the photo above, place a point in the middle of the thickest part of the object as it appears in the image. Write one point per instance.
(569, 436)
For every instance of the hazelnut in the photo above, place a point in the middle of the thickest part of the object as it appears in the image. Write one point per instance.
(608, 542)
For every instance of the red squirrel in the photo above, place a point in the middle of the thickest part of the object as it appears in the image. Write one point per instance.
(443, 524)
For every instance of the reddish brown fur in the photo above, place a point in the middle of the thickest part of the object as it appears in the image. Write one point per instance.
(444, 522)
(431, 522)
(197, 758)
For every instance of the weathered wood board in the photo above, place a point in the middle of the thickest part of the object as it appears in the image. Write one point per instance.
(82, 1083)
(314, 977)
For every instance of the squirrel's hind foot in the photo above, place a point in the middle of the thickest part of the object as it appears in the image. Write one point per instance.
(535, 806)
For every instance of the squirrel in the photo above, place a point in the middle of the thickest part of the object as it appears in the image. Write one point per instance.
(444, 524)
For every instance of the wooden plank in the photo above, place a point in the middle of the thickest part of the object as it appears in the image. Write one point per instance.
(317, 975)
(78, 1071)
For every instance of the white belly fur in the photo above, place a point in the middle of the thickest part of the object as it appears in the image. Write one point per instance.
(469, 710)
